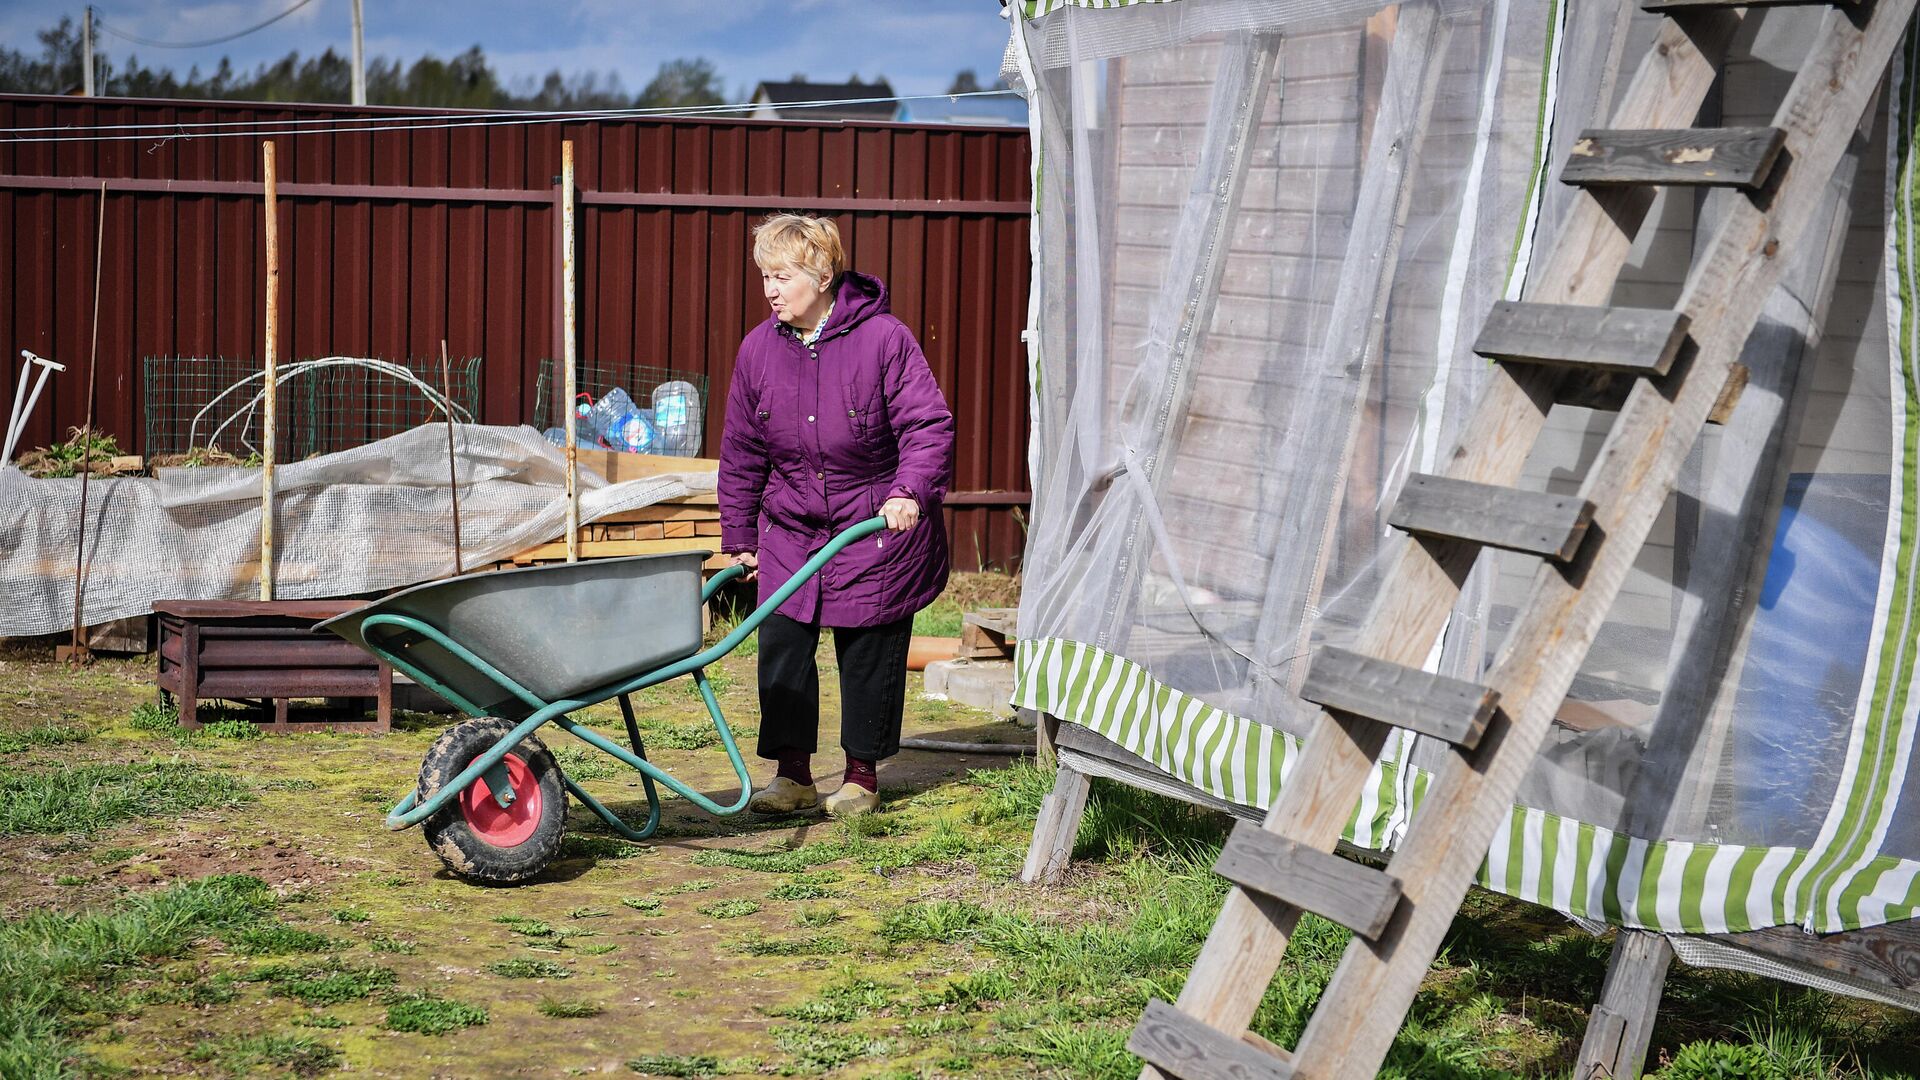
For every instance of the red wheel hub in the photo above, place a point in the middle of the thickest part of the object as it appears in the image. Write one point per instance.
(503, 826)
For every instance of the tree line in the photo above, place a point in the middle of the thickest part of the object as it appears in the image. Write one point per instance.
(467, 81)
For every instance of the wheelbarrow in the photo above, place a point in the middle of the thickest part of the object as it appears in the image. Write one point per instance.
(517, 649)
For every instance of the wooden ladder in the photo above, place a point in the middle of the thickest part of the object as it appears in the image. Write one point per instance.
(1674, 368)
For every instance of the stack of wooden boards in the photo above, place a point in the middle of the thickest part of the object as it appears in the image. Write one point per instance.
(689, 523)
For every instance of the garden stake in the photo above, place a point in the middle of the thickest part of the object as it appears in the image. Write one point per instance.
(453, 461)
(78, 653)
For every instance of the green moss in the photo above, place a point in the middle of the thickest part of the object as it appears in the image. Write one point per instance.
(239, 1055)
(730, 909)
(569, 1010)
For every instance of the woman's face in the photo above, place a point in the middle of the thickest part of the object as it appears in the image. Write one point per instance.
(796, 296)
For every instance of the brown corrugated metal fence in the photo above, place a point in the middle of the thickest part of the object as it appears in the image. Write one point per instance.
(394, 240)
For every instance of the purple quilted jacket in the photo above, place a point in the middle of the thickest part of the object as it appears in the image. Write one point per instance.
(816, 439)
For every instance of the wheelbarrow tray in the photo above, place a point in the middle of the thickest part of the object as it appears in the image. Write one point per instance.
(559, 631)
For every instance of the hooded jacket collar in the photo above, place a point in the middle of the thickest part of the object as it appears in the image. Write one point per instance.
(860, 297)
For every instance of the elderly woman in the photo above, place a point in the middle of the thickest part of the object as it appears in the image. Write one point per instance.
(833, 417)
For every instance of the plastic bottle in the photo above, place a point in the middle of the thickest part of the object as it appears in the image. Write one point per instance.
(677, 415)
(622, 425)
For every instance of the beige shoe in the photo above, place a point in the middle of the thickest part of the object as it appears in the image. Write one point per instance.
(851, 800)
(784, 796)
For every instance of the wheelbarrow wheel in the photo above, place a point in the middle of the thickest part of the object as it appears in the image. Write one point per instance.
(473, 834)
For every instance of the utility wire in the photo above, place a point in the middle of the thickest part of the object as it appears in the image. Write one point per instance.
(439, 121)
(197, 44)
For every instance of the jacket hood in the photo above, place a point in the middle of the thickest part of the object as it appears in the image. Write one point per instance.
(860, 297)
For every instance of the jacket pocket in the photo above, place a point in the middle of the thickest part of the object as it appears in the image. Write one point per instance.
(866, 412)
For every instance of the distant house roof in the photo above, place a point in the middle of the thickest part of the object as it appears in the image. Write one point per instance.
(1006, 109)
(770, 96)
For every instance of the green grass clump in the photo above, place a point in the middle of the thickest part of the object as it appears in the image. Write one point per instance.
(521, 924)
(818, 915)
(239, 1055)
(777, 860)
(810, 945)
(527, 967)
(234, 729)
(569, 1010)
(690, 885)
(815, 1050)
(57, 968)
(842, 1003)
(87, 798)
(152, 716)
(665, 734)
(800, 890)
(279, 939)
(43, 735)
(324, 1021)
(426, 1014)
(678, 1065)
(345, 916)
(645, 905)
(388, 943)
(326, 983)
(730, 909)
(586, 763)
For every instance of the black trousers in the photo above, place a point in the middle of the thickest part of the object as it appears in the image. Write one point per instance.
(873, 686)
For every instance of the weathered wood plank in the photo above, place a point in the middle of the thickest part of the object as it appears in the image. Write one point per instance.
(1056, 827)
(1643, 341)
(1620, 1028)
(1534, 522)
(1470, 796)
(1451, 710)
(1658, 6)
(1886, 955)
(1249, 938)
(1606, 391)
(1697, 157)
(1357, 897)
(1186, 1048)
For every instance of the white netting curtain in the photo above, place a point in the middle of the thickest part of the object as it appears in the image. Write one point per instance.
(1267, 235)
(1267, 230)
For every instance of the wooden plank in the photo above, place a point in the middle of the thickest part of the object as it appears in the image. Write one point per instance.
(1606, 391)
(1249, 938)
(706, 528)
(1658, 6)
(613, 549)
(615, 467)
(1471, 797)
(1699, 157)
(1643, 341)
(1533, 522)
(1620, 1029)
(1056, 826)
(663, 511)
(671, 530)
(1451, 710)
(1357, 897)
(1186, 1048)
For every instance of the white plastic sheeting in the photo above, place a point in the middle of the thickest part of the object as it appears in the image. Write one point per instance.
(364, 520)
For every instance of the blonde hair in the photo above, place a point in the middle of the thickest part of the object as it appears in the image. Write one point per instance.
(810, 243)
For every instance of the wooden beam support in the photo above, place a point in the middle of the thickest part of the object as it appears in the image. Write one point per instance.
(1186, 1048)
(1357, 897)
(1533, 522)
(1056, 827)
(1621, 1026)
(1641, 341)
(1451, 710)
(1694, 157)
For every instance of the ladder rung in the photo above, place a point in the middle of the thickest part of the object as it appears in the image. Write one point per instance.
(1709, 5)
(1642, 341)
(1357, 897)
(1550, 526)
(1182, 1046)
(1699, 157)
(1452, 710)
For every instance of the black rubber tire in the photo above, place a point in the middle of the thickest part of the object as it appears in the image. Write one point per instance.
(455, 841)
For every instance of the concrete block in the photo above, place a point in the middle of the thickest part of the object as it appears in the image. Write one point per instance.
(983, 684)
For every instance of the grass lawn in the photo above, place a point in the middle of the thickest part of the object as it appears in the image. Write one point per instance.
(226, 904)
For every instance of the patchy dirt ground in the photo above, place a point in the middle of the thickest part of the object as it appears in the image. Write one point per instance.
(898, 947)
(660, 937)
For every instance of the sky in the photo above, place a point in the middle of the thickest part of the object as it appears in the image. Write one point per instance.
(917, 44)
